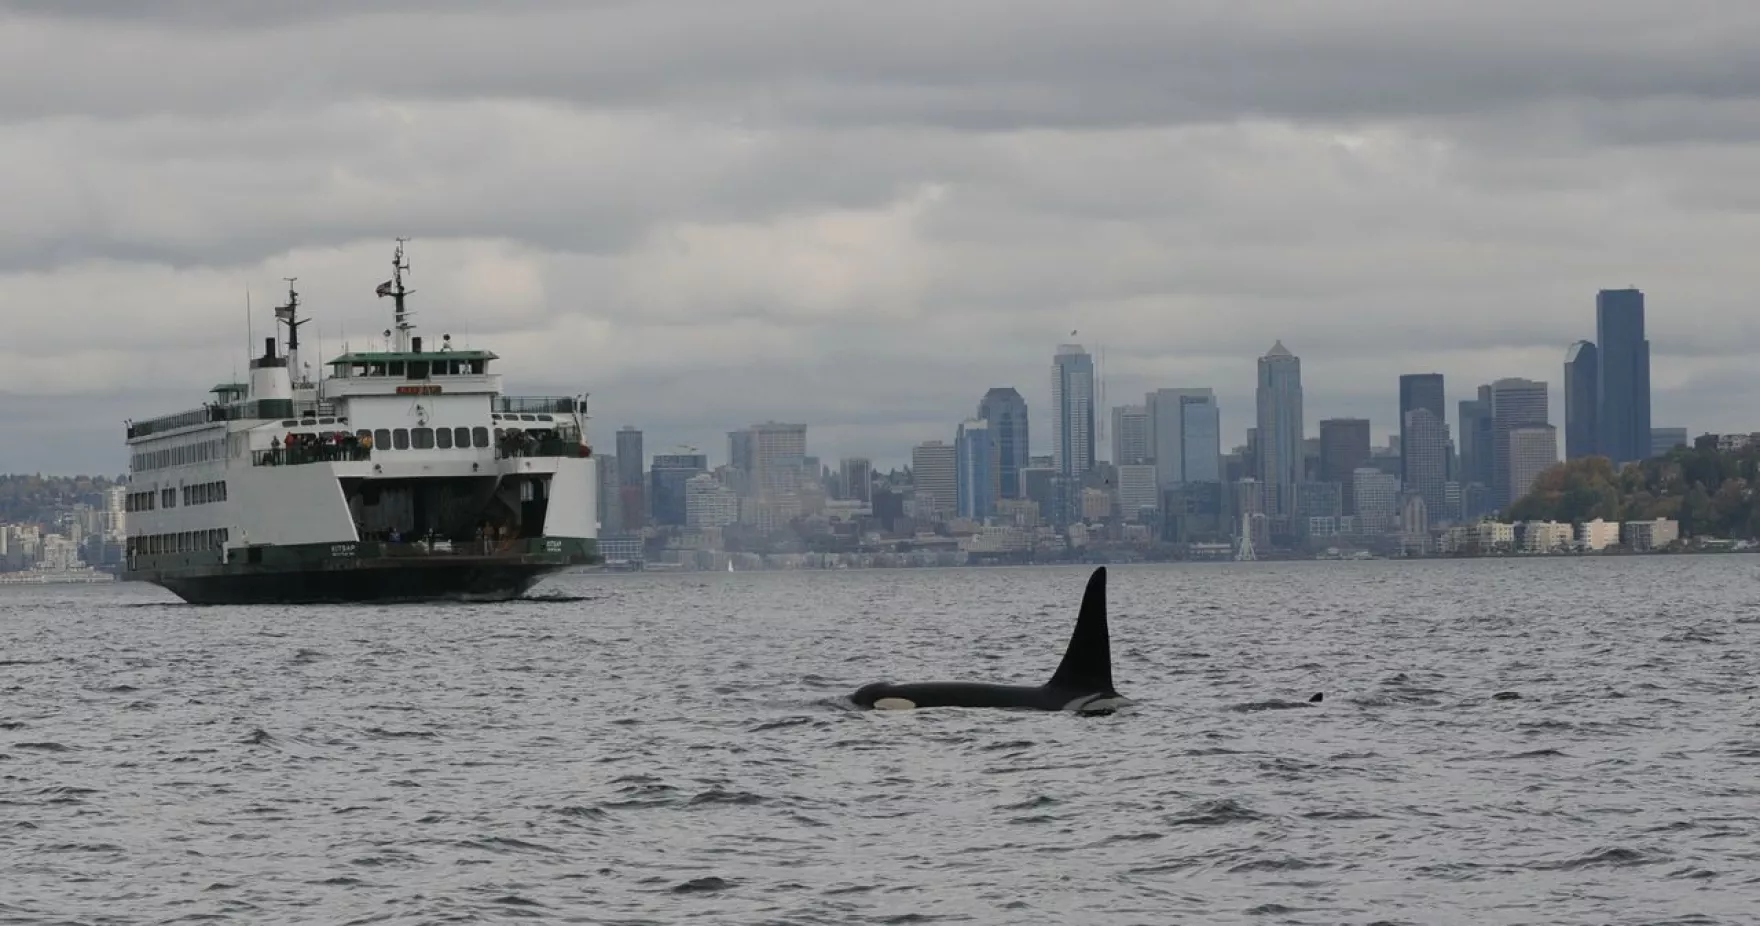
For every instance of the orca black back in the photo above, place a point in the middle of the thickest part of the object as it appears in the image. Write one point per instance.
(1082, 682)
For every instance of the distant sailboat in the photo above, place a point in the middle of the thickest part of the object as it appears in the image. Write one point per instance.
(730, 565)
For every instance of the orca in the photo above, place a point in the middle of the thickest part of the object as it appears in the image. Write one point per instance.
(1082, 683)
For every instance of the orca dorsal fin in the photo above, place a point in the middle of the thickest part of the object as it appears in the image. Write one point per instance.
(1087, 664)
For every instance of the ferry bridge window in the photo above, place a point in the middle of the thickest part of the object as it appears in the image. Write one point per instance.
(461, 437)
(422, 438)
(400, 439)
(382, 439)
(443, 438)
(479, 437)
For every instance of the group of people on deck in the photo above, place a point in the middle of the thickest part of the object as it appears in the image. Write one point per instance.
(308, 447)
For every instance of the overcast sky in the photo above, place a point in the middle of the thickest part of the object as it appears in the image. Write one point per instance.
(863, 215)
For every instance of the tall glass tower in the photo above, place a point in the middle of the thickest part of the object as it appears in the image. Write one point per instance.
(1623, 382)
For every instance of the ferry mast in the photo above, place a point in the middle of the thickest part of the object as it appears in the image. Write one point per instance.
(289, 315)
(394, 288)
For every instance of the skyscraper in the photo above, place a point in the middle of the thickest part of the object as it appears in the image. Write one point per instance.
(1424, 459)
(1344, 446)
(1279, 450)
(1072, 411)
(778, 456)
(1581, 381)
(1515, 403)
(1533, 448)
(1623, 382)
(858, 479)
(1130, 435)
(935, 474)
(1006, 411)
(976, 459)
(1418, 390)
(1476, 439)
(632, 499)
(1185, 435)
(666, 484)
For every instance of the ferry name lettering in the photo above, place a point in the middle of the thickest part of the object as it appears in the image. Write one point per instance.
(342, 549)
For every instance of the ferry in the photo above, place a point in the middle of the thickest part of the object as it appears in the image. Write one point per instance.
(402, 475)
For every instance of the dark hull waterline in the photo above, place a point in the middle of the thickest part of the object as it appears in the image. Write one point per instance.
(409, 583)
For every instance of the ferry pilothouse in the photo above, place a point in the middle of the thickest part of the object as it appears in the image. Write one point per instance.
(403, 475)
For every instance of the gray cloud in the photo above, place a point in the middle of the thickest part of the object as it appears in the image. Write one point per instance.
(862, 216)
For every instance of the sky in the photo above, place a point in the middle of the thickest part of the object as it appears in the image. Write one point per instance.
(861, 216)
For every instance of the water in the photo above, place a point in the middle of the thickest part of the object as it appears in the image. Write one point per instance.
(669, 748)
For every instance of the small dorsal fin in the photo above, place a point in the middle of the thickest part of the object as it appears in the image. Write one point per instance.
(1087, 664)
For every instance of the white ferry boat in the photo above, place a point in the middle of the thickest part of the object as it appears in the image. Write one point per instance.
(403, 475)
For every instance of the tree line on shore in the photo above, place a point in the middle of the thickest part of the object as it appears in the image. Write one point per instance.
(1709, 491)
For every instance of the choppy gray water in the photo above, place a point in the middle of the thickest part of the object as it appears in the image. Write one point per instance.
(655, 749)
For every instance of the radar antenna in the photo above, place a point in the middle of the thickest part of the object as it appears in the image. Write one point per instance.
(289, 315)
(394, 288)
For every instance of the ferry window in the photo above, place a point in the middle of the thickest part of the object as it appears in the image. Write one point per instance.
(363, 432)
(382, 439)
(326, 420)
(400, 439)
(479, 437)
(422, 438)
(418, 369)
(443, 438)
(290, 423)
(545, 418)
(395, 368)
(223, 491)
(461, 437)
(528, 417)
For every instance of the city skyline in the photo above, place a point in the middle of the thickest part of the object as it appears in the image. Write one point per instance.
(1040, 420)
(718, 223)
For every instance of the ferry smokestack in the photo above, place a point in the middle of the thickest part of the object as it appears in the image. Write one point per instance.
(269, 348)
(417, 342)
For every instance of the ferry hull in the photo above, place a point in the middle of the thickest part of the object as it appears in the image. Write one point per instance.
(367, 573)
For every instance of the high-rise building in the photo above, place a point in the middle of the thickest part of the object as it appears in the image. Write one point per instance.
(610, 500)
(739, 450)
(1515, 403)
(1377, 495)
(629, 456)
(1185, 435)
(708, 503)
(1130, 435)
(1662, 440)
(858, 479)
(666, 484)
(1279, 450)
(1006, 411)
(1418, 390)
(1582, 379)
(632, 499)
(1424, 458)
(1533, 449)
(935, 474)
(1623, 390)
(1476, 434)
(1137, 490)
(1344, 446)
(778, 456)
(976, 458)
(1072, 411)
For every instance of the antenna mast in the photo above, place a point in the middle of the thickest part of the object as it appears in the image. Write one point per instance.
(289, 315)
(394, 288)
